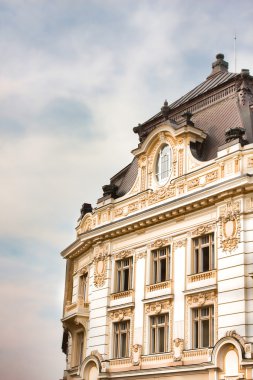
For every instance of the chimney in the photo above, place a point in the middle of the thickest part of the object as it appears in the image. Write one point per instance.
(219, 66)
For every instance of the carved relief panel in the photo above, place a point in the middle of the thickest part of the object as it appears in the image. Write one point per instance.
(229, 224)
(101, 254)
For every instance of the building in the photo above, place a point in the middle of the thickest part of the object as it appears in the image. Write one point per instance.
(159, 279)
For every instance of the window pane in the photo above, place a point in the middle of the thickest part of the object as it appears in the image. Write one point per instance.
(205, 333)
(161, 339)
(116, 350)
(162, 270)
(205, 259)
(126, 262)
(195, 335)
(161, 319)
(205, 312)
(195, 313)
(213, 258)
(155, 272)
(126, 279)
(152, 343)
(123, 345)
(162, 252)
(196, 261)
(119, 281)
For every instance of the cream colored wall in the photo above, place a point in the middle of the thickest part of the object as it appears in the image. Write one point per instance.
(233, 304)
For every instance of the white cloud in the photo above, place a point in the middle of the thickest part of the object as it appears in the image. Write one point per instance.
(120, 60)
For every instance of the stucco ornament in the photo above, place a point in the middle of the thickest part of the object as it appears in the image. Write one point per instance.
(119, 315)
(159, 243)
(101, 253)
(158, 307)
(136, 354)
(230, 226)
(178, 346)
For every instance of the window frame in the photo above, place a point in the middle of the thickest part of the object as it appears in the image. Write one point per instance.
(119, 274)
(154, 338)
(83, 287)
(160, 163)
(198, 321)
(79, 354)
(198, 265)
(156, 268)
(118, 332)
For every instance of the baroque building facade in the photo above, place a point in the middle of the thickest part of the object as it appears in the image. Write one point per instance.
(159, 279)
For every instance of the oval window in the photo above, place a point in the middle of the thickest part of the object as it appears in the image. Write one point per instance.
(163, 164)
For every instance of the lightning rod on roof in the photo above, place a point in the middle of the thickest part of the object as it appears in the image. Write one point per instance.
(235, 50)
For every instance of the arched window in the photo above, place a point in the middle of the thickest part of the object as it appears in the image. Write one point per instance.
(163, 164)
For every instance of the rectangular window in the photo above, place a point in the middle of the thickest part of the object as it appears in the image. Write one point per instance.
(159, 332)
(121, 339)
(203, 253)
(160, 267)
(82, 291)
(203, 327)
(79, 351)
(124, 270)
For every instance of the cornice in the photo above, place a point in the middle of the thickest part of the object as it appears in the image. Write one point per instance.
(163, 370)
(163, 212)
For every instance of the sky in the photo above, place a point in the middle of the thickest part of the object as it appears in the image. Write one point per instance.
(75, 77)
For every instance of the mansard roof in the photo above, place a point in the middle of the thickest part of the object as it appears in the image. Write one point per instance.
(223, 101)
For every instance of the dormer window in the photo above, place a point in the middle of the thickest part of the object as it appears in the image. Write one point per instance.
(163, 164)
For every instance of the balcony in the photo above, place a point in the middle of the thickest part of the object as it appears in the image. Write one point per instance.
(80, 308)
(158, 289)
(120, 298)
(201, 279)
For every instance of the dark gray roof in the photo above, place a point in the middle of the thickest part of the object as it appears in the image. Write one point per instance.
(209, 84)
(221, 102)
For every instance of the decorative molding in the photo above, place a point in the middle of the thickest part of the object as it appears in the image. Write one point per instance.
(75, 268)
(201, 276)
(123, 254)
(196, 353)
(200, 299)
(70, 306)
(140, 255)
(159, 286)
(120, 362)
(250, 162)
(158, 307)
(179, 243)
(101, 253)
(119, 315)
(161, 194)
(83, 270)
(83, 321)
(230, 227)
(249, 203)
(158, 357)
(136, 352)
(203, 230)
(212, 176)
(233, 334)
(159, 243)
(142, 161)
(178, 346)
(193, 184)
(180, 162)
(127, 293)
(181, 187)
